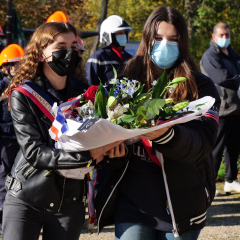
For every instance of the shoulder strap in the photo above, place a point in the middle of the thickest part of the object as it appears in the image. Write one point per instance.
(39, 97)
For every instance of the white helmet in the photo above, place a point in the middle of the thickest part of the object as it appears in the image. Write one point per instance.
(112, 24)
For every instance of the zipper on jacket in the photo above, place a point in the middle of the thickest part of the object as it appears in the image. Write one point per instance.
(62, 195)
(18, 169)
(160, 158)
(29, 172)
(111, 194)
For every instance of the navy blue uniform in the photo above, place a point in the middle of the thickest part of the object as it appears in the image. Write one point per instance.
(8, 142)
(99, 65)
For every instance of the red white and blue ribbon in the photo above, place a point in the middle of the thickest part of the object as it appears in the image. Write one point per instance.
(39, 97)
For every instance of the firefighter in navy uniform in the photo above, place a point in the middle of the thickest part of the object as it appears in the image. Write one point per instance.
(8, 143)
(114, 35)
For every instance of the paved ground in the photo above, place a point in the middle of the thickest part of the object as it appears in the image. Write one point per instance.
(223, 221)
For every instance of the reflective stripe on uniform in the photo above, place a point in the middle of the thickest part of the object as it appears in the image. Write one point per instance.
(92, 60)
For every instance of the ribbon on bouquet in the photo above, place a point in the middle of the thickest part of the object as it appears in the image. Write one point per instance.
(148, 146)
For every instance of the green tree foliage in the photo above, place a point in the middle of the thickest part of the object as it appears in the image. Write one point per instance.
(200, 15)
(32, 13)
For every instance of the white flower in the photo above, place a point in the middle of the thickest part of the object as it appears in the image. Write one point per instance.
(114, 81)
(154, 82)
(117, 112)
(134, 83)
(90, 105)
(125, 107)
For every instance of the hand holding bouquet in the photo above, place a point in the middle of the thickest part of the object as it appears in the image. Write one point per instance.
(98, 117)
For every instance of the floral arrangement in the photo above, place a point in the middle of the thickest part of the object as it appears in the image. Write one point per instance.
(126, 104)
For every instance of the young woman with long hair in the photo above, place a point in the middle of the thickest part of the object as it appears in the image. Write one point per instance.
(146, 201)
(38, 196)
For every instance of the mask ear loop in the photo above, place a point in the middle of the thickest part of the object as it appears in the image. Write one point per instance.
(45, 56)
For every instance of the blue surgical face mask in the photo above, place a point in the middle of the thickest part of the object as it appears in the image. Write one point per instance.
(165, 53)
(223, 42)
(122, 40)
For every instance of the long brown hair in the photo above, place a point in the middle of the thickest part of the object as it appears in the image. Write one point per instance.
(29, 66)
(141, 66)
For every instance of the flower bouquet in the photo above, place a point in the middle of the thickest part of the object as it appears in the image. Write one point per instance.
(99, 117)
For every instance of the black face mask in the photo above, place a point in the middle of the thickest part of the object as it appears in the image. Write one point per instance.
(64, 62)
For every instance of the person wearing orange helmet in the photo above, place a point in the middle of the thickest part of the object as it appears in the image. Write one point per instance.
(8, 143)
(60, 16)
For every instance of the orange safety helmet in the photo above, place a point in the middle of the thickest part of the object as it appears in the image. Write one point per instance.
(12, 53)
(60, 16)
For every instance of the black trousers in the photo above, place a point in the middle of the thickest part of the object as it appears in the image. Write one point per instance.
(8, 151)
(24, 222)
(228, 141)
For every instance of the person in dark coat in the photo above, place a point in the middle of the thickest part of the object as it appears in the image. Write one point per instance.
(8, 143)
(142, 199)
(221, 63)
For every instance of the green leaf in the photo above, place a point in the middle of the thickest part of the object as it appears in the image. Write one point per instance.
(150, 113)
(173, 85)
(142, 96)
(111, 92)
(97, 113)
(152, 102)
(111, 101)
(126, 119)
(161, 83)
(146, 104)
(178, 80)
(115, 73)
(141, 110)
(200, 105)
(139, 90)
(101, 101)
(156, 110)
(160, 103)
(141, 115)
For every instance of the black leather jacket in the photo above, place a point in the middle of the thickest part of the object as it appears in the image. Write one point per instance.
(28, 180)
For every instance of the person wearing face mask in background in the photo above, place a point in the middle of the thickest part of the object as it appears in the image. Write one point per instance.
(38, 196)
(8, 143)
(114, 35)
(145, 200)
(221, 63)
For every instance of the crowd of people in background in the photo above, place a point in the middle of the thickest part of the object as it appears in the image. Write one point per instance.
(130, 190)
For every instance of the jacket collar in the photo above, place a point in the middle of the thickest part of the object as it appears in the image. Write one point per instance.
(42, 82)
(218, 49)
(125, 55)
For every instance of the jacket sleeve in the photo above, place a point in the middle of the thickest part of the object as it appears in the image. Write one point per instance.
(193, 141)
(116, 163)
(92, 71)
(212, 65)
(33, 143)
